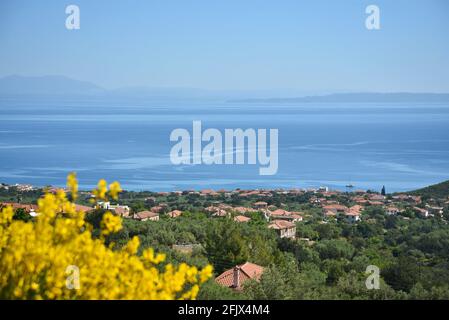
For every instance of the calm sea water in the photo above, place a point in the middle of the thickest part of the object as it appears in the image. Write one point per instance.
(368, 145)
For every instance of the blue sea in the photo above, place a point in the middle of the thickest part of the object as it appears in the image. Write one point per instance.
(401, 146)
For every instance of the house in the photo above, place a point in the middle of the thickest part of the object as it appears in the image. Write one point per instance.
(422, 212)
(31, 209)
(279, 213)
(408, 198)
(208, 192)
(122, 211)
(285, 229)
(352, 215)
(296, 216)
(79, 207)
(330, 213)
(392, 211)
(242, 210)
(356, 208)
(376, 197)
(150, 201)
(260, 205)
(335, 208)
(220, 213)
(241, 219)
(158, 209)
(174, 213)
(146, 215)
(435, 210)
(286, 215)
(235, 277)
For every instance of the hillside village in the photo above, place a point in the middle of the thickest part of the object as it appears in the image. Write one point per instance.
(348, 206)
(285, 214)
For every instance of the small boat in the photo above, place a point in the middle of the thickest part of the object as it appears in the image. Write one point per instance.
(349, 186)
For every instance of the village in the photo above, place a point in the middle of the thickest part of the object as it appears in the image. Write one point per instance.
(283, 211)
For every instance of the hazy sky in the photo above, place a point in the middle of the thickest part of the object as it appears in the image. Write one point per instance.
(232, 44)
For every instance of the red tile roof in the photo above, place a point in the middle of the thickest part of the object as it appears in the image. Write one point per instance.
(279, 212)
(174, 213)
(281, 224)
(15, 206)
(241, 219)
(145, 215)
(337, 207)
(247, 271)
(79, 207)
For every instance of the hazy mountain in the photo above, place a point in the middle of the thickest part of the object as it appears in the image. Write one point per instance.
(46, 85)
(55, 86)
(356, 97)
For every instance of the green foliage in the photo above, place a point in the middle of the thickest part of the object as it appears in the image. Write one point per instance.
(440, 190)
(213, 291)
(21, 214)
(335, 249)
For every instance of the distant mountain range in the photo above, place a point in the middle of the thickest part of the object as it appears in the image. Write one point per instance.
(355, 97)
(46, 86)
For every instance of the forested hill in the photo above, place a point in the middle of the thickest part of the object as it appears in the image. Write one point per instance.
(440, 190)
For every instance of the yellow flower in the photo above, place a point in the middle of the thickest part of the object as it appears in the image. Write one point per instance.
(35, 255)
(115, 189)
(6, 215)
(206, 273)
(102, 188)
(133, 245)
(72, 184)
(110, 224)
(148, 255)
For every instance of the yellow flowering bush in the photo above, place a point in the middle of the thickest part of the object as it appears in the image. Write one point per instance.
(56, 257)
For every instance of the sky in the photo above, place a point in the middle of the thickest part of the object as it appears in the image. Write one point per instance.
(311, 46)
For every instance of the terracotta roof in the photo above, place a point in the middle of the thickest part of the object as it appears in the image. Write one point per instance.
(220, 213)
(174, 213)
(354, 210)
(280, 212)
(207, 191)
(330, 213)
(377, 197)
(337, 207)
(296, 216)
(79, 207)
(121, 210)
(247, 271)
(243, 209)
(146, 214)
(241, 219)
(281, 224)
(211, 209)
(157, 209)
(15, 206)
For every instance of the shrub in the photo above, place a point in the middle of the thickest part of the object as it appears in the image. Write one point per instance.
(55, 256)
